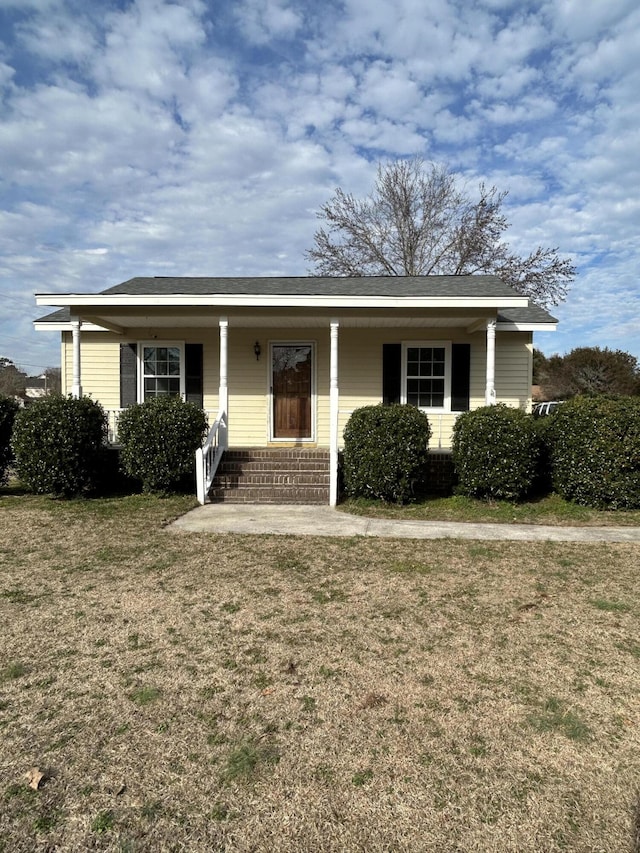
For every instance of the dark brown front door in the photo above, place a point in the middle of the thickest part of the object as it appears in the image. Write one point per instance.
(291, 390)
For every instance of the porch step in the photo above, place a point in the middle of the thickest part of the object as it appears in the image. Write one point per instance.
(272, 475)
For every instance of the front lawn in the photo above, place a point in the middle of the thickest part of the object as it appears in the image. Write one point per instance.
(192, 692)
(550, 509)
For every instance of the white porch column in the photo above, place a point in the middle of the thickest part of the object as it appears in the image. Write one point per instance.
(76, 386)
(223, 391)
(490, 389)
(334, 400)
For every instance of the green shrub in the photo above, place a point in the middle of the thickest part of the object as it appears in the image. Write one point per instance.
(385, 451)
(8, 410)
(594, 445)
(159, 439)
(495, 452)
(58, 443)
(544, 482)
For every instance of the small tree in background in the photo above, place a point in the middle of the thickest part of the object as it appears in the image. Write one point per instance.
(58, 443)
(53, 377)
(587, 370)
(158, 441)
(12, 379)
(8, 410)
(385, 451)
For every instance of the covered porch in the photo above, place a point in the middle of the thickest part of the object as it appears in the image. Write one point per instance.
(294, 384)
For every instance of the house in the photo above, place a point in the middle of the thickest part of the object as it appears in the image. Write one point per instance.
(280, 363)
(35, 387)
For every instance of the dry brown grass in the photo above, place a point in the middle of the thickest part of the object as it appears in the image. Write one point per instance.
(199, 693)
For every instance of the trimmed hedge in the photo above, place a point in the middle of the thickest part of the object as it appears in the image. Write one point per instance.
(385, 451)
(58, 444)
(8, 410)
(496, 451)
(158, 441)
(594, 446)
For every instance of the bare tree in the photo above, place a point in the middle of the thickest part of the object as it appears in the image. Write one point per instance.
(416, 221)
(53, 377)
(12, 379)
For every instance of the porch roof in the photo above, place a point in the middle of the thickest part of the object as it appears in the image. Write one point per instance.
(451, 300)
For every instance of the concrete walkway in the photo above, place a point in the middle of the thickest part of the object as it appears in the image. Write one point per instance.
(297, 520)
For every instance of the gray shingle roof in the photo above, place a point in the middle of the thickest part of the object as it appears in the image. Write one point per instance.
(532, 314)
(438, 286)
(450, 286)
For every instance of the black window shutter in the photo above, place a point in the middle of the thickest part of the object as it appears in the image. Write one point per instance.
(128, 375)
(193, 373)
(391, 373)
(460, 377)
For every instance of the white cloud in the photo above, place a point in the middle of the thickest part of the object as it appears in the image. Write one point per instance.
(152, 136)
(63, 39)
(265, 20)
(586, 21)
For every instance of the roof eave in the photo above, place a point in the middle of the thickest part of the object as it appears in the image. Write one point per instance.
(222, 300)
(65, 326)
(526, 327)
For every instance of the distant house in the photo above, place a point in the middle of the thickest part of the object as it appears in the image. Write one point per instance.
(35, 387)
(280, 363)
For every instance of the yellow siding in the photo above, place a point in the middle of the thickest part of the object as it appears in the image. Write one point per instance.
(359, 371)
(249, 382)
(514, 358)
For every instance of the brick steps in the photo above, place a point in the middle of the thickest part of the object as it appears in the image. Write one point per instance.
(266, 475)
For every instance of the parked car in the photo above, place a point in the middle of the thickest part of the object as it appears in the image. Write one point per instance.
(540, 410)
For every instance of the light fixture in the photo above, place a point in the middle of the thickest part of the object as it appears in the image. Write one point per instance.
(257, 350)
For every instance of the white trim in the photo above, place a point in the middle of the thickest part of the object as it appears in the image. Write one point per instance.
(66, 327)
(490, 385)
(314, 394)
(76, 380)
(40, 326)
(334, 408)
(99, 301)
(526, 327)
(446, 408)
(223, 386)
(140, 371)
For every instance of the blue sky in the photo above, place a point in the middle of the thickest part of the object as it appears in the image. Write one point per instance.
(147, 137)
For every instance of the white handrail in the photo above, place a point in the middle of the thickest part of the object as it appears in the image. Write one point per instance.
(209, 455)
(113, 416)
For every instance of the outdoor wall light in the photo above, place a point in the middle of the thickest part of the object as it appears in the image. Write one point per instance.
(257, 350)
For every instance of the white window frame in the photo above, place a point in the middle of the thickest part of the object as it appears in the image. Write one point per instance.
(406, 345)
(176, 345)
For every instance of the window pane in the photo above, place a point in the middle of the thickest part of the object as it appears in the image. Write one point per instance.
(161, 371)
(149, 360)
(426, 371)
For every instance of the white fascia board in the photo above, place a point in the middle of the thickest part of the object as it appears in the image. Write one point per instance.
(66, 327)
(526, 327)
(97, 301)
